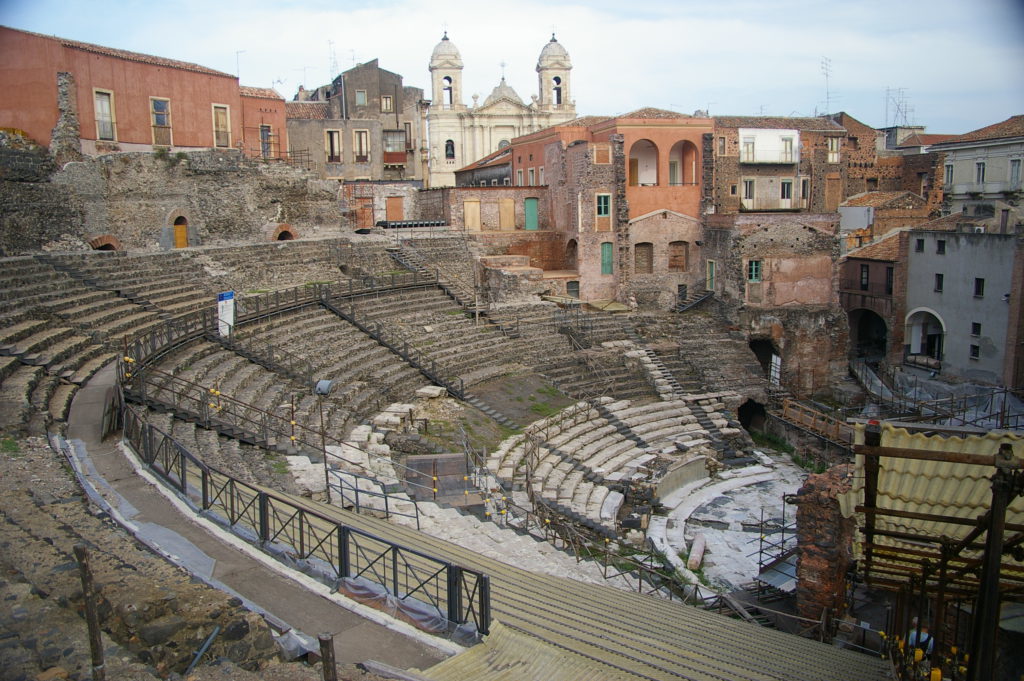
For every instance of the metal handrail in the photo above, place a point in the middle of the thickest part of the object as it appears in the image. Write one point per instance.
(272, 519)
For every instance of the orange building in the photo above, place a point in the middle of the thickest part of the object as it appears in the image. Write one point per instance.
(113, 100)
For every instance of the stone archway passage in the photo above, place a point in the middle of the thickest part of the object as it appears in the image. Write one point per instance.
(106, 242)
(769, 359)
(868, 334)
(752, 415)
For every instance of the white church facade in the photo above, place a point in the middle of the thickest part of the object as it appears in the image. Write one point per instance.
(461, 134)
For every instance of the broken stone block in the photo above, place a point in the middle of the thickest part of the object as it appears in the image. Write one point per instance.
(432, 391)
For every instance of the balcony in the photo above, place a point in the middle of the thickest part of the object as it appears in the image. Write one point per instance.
(394, 158)
(770, 156)
(362, 158)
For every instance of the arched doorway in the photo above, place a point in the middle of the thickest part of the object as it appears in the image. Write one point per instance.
(869, 335)
(682, 164)
(643, 164)
(752, 415)
(570, 254)
(285, 235)
(925, 334)
(769, 358)
(180, 232)
(107, 242)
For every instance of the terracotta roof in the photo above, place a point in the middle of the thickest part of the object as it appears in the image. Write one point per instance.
(582, 122)
(131, 56)
(314, 111)
(651, 112)
(949, 223)
(261, 92)
(887, 248)
(783, 122)
(1011, 127)
(916, 140)
(880, 199)
(495, 158)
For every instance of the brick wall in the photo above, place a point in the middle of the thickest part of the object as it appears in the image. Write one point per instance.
(824, 541)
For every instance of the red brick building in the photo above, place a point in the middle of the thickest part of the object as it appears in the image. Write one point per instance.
(99, 100)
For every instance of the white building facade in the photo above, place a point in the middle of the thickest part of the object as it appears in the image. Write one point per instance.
(460, 134)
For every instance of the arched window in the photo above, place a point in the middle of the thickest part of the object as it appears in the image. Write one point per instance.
(678, 255)
(643, 258)
(449, 149)
(446, 92)
(556, 91)
(643, 164)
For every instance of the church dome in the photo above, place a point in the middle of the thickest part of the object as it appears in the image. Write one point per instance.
(553, 52)
(446, 51)
(502, 91)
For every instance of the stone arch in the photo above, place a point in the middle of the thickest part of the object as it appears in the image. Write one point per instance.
(925, 333)
(643, 164)
(769, 357)
(683, 163)
(106, 242)
(570, 254)
(752, 415)
(869, 333)
(285, 232)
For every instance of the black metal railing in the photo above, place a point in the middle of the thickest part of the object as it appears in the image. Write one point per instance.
(280, 525)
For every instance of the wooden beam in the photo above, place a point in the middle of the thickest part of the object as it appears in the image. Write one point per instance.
(925, 455)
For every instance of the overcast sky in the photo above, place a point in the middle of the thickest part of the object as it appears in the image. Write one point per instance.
(952, 65)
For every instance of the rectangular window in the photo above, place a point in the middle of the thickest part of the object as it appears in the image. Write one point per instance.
(748, 189)
(919, 246)
(732, 190)
(938, 283)
(979, 172)
(805, 189)
(606, 257)
(1015, 171)
(975, 352)
(362, 146)
(753, 271)
(786, 190)
(494, 182)
(948, 177)
(979, 287)
(865, 277)
(542, 175)
(604, 205)
(721, 146)
(221, 126)
(530, 172)
(940, 246)
(508, 181)
(787, 150)
(387, 104)
(394, 141)
(408, 137)
(833, 149)
(748, 149)
(519, 177)
(333, 146)
(888, 281)
(360, 97)
(160, 118)
(975, 328)
(106, 129)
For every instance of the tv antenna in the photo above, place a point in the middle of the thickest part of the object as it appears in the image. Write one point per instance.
(826, 69)
(333, 59)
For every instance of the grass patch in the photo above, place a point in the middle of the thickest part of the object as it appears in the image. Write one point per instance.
(311, 284)
(544, 409)
(255, 291)
(550, 391)
(769, 440)
(809, 463)
(453, 312)
(8, 445)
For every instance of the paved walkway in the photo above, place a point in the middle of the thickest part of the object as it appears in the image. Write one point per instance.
(221, 559)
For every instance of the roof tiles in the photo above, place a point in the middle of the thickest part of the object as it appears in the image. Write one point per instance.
(1011, 127)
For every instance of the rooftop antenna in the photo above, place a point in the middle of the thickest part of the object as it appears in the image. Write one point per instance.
(334, 59)
(826, 69)
(238, 71)
(503, 65)
(303, 69)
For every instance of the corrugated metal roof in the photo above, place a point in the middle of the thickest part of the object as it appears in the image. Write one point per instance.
(940, 488)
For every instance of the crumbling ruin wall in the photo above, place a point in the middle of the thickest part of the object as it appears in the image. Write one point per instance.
(135, 197)
(824, 543)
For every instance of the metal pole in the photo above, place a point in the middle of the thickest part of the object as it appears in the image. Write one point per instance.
(327, 656)
(323, 447)
(99, 672)
(986, 613)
